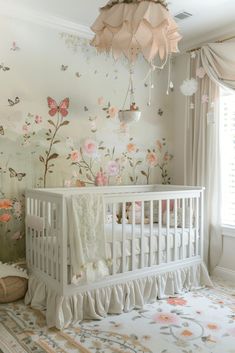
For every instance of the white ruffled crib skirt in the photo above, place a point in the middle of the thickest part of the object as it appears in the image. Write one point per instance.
(95, 304)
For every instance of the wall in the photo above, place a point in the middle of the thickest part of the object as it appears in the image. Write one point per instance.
(83, 142)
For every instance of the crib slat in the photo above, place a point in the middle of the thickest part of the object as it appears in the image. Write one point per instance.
(113, 239)
(183, 230)
(160, 254)
(124, 237)
(197, 227)
(201, 223)
(46, 233)
(175, 231)
(168, 245)
(142, 241)
(52, 242)
(190, 227)
(151, 234)
(133, 238)
(57, 242)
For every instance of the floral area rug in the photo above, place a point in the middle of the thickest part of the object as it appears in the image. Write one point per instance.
(202, 321)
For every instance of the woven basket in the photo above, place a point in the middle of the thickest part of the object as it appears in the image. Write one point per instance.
(12, 289)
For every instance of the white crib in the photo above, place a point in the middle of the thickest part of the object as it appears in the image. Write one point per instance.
(161, 255)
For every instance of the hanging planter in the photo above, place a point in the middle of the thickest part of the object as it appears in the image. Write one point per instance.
(129, 116)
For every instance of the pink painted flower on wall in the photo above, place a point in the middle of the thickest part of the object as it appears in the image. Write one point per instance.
(113, 168)
(26, 128)
(166, 318)
(112, 112)
(90, 147)
(152, 159)
(75, 156)
(131, 147)
(101, 101)
(101, 179)
(38, 119)
(159, 145)
(4, 218)
(5, 204)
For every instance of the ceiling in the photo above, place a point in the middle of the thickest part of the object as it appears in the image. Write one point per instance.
(211, 18)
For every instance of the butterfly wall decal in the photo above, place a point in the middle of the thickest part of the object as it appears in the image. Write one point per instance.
(160, 112)
(4, 68)
(93, 123)
(64, 67)
(2, 132)
(62, 108)
(78, 75)
(86, 109)
(14, 47)
(14, 174)
(11, 102)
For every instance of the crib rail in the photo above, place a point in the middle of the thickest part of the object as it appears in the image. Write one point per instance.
(149, 227)
(168, 228)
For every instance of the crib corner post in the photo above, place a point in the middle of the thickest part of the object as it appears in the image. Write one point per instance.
(202, 225)
(63, 240)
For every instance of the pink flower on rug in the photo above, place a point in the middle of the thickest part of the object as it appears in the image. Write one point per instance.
(200, 72)
(152, 159)
(213, 326)
(101, 179)
(38, 119)
(131, 147)
(4, 218)
(113, 168)
(112, 112)
(205, 99)
(75, 156)
(166, 318)
(90, 147)
(5, 204)
(177, 301)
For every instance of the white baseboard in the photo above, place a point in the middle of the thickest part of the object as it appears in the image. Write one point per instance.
(224, 273)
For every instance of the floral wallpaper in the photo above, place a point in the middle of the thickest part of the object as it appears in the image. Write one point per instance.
(59, 122)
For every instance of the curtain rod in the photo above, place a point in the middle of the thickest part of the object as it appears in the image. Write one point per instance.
(218, 41)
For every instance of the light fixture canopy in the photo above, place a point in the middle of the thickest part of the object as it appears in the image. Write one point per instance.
(131, 27)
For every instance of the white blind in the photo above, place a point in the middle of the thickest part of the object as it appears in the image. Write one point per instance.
(227, 115)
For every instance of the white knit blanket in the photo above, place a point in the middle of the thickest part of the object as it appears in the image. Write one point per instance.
(86, 214)
(11, 271)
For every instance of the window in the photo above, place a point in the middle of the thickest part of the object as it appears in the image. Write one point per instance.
(227, 114)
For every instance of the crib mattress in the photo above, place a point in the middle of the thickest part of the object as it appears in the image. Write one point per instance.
(175, 239)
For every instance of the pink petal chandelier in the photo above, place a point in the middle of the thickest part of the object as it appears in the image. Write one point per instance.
(131, 27)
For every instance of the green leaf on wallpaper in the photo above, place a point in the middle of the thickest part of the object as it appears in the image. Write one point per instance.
(80, 171)
(41, 159)
(66, 122)
(131, 179)
(138, 163)
(57, 141)
(144, 173)
(131, 164)
(53, 156)
(101, 148)
(88, 177)
(149, 151)
(51, 122)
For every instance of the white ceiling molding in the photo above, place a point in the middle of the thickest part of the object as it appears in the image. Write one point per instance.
(219, 34)
(44, 19)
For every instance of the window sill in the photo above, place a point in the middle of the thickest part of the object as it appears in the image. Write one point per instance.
(228, 231)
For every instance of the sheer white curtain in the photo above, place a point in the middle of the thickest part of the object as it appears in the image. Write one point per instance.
(213, 65)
